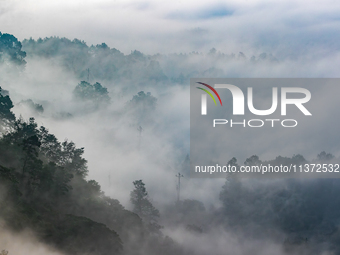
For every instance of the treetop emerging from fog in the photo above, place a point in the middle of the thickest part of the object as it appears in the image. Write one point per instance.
(10, 50)
(96, 92)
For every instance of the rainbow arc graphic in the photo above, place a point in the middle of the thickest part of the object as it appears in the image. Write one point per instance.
(209, 93)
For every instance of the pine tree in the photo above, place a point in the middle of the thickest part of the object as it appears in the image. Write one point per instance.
(142, 205)
(7, 118)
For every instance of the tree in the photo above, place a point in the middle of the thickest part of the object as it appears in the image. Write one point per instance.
(142, 106)
(324, 157)
(233, 164)
(37, 108)
(96, 92)
(253, 161)
(72, 160)
(10, 49)
(143, 101)
(142, 205)
(7, 118)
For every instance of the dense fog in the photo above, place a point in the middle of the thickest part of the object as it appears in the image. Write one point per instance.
(127, 105)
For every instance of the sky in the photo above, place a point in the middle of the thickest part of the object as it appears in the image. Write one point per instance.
(286, 28)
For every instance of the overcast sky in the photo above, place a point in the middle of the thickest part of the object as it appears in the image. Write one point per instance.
(285, 28)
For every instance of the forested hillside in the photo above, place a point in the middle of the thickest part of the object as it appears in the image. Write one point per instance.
(104, 63)
(44, 187)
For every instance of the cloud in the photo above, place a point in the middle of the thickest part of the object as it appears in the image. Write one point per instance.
(206, 12)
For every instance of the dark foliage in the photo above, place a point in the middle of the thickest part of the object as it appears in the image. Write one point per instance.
(43, 187)
(96, 93)
(10, 50)
(301, 208)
